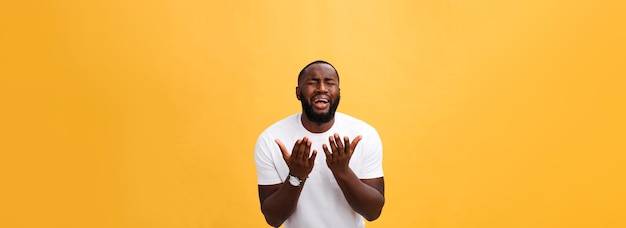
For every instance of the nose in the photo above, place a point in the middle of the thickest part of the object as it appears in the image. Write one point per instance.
(321, 88)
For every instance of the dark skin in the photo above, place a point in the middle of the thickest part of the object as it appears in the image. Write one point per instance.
(365, 196)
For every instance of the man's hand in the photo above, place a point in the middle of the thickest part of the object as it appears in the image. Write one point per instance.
(339, 158)
(299, 162)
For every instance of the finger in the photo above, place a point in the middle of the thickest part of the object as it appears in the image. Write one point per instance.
(312, 158)
(332, 144)
(282, 149)
(301, 148)
(329, 155)
(296, 146)
(307, 150)
(339, 144)
(354, 143)
(346, 142)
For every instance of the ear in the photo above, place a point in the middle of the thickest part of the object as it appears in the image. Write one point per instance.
(298, 92)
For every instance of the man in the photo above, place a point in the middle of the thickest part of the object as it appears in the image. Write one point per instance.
(332, 176)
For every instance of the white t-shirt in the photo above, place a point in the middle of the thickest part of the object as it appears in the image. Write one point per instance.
(321, 203)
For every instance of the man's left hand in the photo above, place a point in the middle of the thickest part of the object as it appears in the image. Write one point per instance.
(339, 154)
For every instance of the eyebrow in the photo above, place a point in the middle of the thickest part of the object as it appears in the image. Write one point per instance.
(324, 78)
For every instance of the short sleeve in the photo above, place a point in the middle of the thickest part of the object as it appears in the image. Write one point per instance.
(372, 149)
(267, 173)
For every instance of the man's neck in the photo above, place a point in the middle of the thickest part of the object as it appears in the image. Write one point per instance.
(316, 127)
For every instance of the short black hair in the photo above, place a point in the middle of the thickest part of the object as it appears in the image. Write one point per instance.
(316, 62)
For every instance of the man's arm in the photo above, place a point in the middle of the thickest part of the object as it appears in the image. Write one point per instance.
(279, 201)
(366, 196)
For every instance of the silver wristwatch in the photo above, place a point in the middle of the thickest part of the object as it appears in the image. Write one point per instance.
(295, 181)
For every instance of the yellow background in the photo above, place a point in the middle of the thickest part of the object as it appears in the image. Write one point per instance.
(145, 113)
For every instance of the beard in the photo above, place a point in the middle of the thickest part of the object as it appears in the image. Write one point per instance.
(319, 118)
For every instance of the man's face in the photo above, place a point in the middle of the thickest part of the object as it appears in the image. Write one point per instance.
(318, 91)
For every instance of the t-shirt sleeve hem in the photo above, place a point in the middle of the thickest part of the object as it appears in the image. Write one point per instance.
(268, 182)
(371, 176)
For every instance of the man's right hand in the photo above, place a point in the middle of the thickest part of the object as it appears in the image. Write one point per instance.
(299, 162)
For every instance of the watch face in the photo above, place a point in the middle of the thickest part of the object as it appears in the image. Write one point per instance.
(294, 181)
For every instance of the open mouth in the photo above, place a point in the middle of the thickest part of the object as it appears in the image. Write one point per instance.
(321, 103)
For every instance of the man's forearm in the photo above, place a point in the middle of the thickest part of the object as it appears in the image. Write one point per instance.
(364, 199)
(280, 205)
